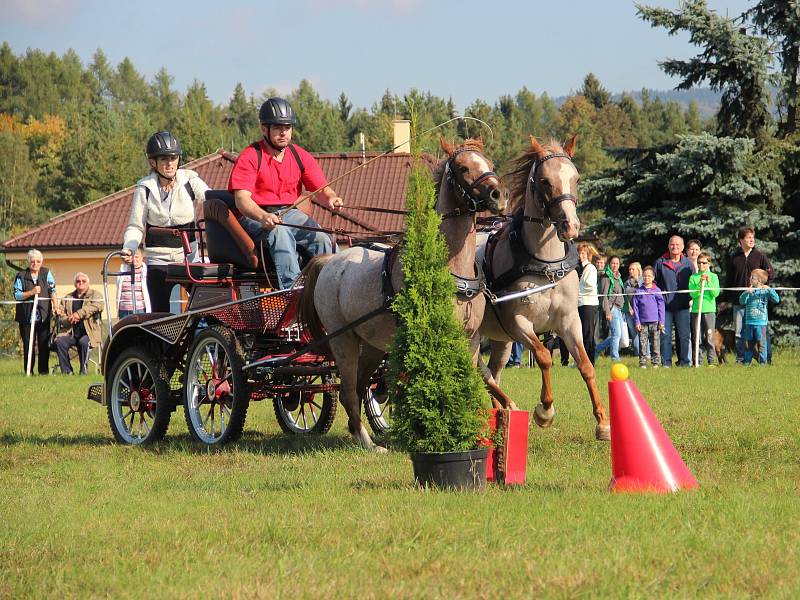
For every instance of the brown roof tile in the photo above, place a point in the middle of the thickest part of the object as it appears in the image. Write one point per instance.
(101, 224)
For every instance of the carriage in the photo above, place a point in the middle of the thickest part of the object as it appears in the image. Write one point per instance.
(238, 341)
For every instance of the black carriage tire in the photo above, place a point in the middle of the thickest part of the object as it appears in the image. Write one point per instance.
(325, 418)
(376, 410)
(164, 404)
(241, 389)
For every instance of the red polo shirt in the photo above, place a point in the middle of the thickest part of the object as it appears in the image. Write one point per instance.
(276, 183)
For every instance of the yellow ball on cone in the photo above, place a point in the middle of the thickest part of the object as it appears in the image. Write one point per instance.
(619, 372)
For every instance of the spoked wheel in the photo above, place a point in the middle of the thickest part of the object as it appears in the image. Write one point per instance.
(306, 412)
(216, 394)
(138, 401)
(377, 406)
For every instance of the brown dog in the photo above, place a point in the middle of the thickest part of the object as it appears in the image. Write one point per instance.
(724, 342)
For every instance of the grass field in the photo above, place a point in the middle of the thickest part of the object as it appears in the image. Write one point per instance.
(274, 516)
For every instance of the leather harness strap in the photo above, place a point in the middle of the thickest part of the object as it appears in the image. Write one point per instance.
(524, 263)
(466, 287)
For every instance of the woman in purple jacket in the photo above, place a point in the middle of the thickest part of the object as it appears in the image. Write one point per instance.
(648, 315)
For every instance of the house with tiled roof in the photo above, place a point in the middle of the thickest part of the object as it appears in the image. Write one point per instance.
(79, 240)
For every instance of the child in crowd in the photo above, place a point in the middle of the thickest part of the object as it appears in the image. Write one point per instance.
(648, 315)
(755, 300)
(707, 313)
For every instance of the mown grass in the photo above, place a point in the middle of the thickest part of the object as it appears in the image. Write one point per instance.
(275, 516)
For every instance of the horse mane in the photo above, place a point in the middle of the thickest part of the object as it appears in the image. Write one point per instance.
(520, 171)
(468, 144)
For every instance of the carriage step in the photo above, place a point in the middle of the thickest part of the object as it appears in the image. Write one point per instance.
(95, 393)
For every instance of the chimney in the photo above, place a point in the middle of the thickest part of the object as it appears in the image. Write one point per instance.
(402, 136)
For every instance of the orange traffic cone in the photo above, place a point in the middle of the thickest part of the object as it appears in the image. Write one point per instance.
(643, 458)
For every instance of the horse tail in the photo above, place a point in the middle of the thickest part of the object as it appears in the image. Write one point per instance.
(307, 310)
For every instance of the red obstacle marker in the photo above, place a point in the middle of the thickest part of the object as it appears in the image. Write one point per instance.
(643, 458)
(507, 463)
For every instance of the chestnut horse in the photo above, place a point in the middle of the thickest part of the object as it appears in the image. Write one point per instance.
(341, 288)
(533, 250)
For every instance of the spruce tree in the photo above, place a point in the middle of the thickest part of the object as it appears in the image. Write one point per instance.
(706, 187)
(731, 62)
(436, 392)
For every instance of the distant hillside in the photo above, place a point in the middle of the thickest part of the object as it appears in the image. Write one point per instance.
(706, 99)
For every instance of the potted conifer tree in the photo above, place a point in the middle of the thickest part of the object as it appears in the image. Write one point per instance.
(438, 397)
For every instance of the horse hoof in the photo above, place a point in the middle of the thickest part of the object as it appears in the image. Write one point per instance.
(602, 433)
(379, 449)
(543, 418)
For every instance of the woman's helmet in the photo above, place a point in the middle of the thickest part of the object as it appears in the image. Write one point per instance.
(163, 143)
(277, 111)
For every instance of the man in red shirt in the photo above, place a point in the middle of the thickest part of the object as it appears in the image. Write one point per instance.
(267, 178)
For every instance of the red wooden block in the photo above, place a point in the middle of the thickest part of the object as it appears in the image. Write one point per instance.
(507, 462)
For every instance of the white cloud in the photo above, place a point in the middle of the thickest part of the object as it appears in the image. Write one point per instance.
(35, 12)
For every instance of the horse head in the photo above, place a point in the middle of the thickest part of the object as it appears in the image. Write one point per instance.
(552, 186)
(472, 178)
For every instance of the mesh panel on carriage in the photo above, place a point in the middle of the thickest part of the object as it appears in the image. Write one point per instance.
(226, 239)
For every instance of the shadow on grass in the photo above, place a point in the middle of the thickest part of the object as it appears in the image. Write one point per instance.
(257, 444)
(60, 440)
(251, 443)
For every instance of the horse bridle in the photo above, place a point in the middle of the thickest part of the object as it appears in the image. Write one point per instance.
(465, 191)
(547, 205)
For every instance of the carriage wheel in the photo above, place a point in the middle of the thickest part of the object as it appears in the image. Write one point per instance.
(304, 412)
(138, 403)
(216, 393)
(377, 407)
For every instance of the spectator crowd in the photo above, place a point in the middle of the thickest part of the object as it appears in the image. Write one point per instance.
(666, 313)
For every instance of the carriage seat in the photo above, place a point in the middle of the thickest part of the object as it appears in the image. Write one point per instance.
(233, 253)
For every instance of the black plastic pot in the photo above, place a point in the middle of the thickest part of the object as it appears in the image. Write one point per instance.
(451, 470)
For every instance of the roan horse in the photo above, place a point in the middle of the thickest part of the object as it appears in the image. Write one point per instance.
(342, 288)
(533, 250)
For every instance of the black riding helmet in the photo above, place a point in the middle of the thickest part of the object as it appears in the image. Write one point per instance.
(163, 143)
(277, 111)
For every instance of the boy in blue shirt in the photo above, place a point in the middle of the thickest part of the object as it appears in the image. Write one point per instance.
(755, 300)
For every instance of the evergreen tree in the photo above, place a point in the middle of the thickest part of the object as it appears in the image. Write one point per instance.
(594, 91)
(319, 126)
(127, 86)
(199, 124)
(578, 117)
(779, 20)
(437, 395)
(163, 102)
(706, 187)
(242, 117)
(103, 74)
(731, 61)
(345, 106)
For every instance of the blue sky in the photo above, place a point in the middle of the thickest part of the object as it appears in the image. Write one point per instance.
(464, 49)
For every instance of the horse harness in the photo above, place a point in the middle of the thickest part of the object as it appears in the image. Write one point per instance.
(524, 263)
(549, 204)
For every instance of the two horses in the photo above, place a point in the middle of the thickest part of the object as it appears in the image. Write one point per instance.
(342, 288)
(534, 249)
